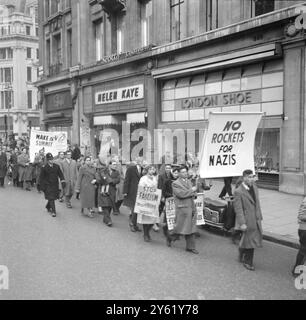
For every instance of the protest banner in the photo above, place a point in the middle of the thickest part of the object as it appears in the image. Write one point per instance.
(52, 142)
(147, 201)
(199, 204)
(170, 212)
(229, 144)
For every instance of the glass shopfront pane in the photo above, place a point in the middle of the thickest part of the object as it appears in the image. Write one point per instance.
(249, 83)
(212, 88)
(196, 114)
(168, 105)
(169, 84)
(231, 85)
(196, 91)
(182, 115)
(273, 108)
(181, 93)
(168, 94)
(272, 79)
(272, 94)
(167, 116)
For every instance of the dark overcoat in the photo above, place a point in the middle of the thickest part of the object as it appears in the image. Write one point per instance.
(130, 186)
(24, 167)
(185, 210)
(85, 187)
(3, 164)
(107, 177)
(48, 181)
(14, 164)
(248, 212)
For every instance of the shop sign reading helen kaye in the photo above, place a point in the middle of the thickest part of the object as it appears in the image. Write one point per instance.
(119, 95)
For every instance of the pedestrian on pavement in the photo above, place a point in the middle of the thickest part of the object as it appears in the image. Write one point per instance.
(86, 187)
(185, 210)
(131, 181)
(24, 170)
(167, 192)
(227, 189)
(59, 160)
(50, 175)
(3, 166)
(107, 180)
(14, 163)
(248, 218)
(148, 180)
(69, 169)
(301, 255)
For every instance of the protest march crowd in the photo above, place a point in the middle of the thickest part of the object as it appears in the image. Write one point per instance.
(165, 199)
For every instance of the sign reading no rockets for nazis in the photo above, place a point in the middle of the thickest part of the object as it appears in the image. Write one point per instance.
(147, 201)
(53, 142)
(229, 144)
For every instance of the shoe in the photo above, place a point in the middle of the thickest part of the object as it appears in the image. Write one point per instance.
(137, 229)
(53, 214)
(241, 257)
(116, 213)
(169, 242)
(193, 251)
(109, 224)
(28, 189)
(248, 266)
(61, 200)
(133, 229)
(69, 205)
(147, 239)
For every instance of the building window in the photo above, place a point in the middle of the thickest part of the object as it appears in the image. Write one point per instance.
(29, 53)
(6, 53)
(6, 75)
(29, 74)
(28, 30)
(37, 54)
(146, 22)
(260, 7)
(119, 38)
(57, 48)
(6, 99)
(47, 9)
(98, 34)
(36, 32)
(69, 48)
(55, 6)
(176, 19)
(29, 99)
(211, 14)
(48, 54)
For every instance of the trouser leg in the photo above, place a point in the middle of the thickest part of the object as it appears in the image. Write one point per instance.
(68, 200)
(190, 241)
(248, 256)
(1, 182)
(106, 215)
(52, 205)
(146, 231)
(48, 205)
(228, 185)
(133, 219)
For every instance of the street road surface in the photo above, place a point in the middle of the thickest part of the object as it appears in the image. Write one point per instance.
(75, 257)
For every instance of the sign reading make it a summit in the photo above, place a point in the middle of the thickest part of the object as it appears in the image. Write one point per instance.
(229, 144)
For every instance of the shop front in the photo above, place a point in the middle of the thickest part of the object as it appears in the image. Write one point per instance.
(185, 104)
(58, 113)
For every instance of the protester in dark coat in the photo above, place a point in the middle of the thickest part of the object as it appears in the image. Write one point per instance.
(48, 181)
(107, 180)
(14, 163)
(86, 186)
(131, 181)
(248, 218)
(185, 210)
(227, 189)
(76, 152)
(3, 166)
(25, 170)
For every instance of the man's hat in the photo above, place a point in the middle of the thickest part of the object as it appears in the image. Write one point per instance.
(49, 156)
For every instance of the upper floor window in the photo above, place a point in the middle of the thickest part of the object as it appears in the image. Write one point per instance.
(28, 30)
(176, 19)
(69, 48)
(29, 74)
(6, 75)
(6, 53)
(30, 102)
(260, 7)
(55, 6)
(29, 53)
(98, 35)
(146, 22)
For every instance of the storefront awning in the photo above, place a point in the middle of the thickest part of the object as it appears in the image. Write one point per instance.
(220, 61)
(105, 120)
(137, 117)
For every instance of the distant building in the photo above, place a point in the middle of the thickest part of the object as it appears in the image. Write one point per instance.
(18, 67)
(165, 64)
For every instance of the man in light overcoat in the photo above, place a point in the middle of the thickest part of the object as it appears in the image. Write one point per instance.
(248, 218)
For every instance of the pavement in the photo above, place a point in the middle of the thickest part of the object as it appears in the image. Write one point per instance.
(279, 211)
(75, 257)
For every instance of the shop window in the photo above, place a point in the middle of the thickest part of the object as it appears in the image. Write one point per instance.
(272, 94)
(274, 65)
(253, 69)
(272, 79)
(169, 84)
(168, 94)
(214, 76)
(168, 105)
(196, 91)
(249, 83)
(197, 80)
(181, 93)
(177, 19)
(272, 108)
(232, 73)
(182, 115)
(146, 22)
(231, 85)
(212, 88)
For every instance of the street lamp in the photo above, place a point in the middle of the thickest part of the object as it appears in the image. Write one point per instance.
(8, 87)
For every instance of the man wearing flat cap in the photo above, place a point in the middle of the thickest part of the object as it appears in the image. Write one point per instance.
(48, 181)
